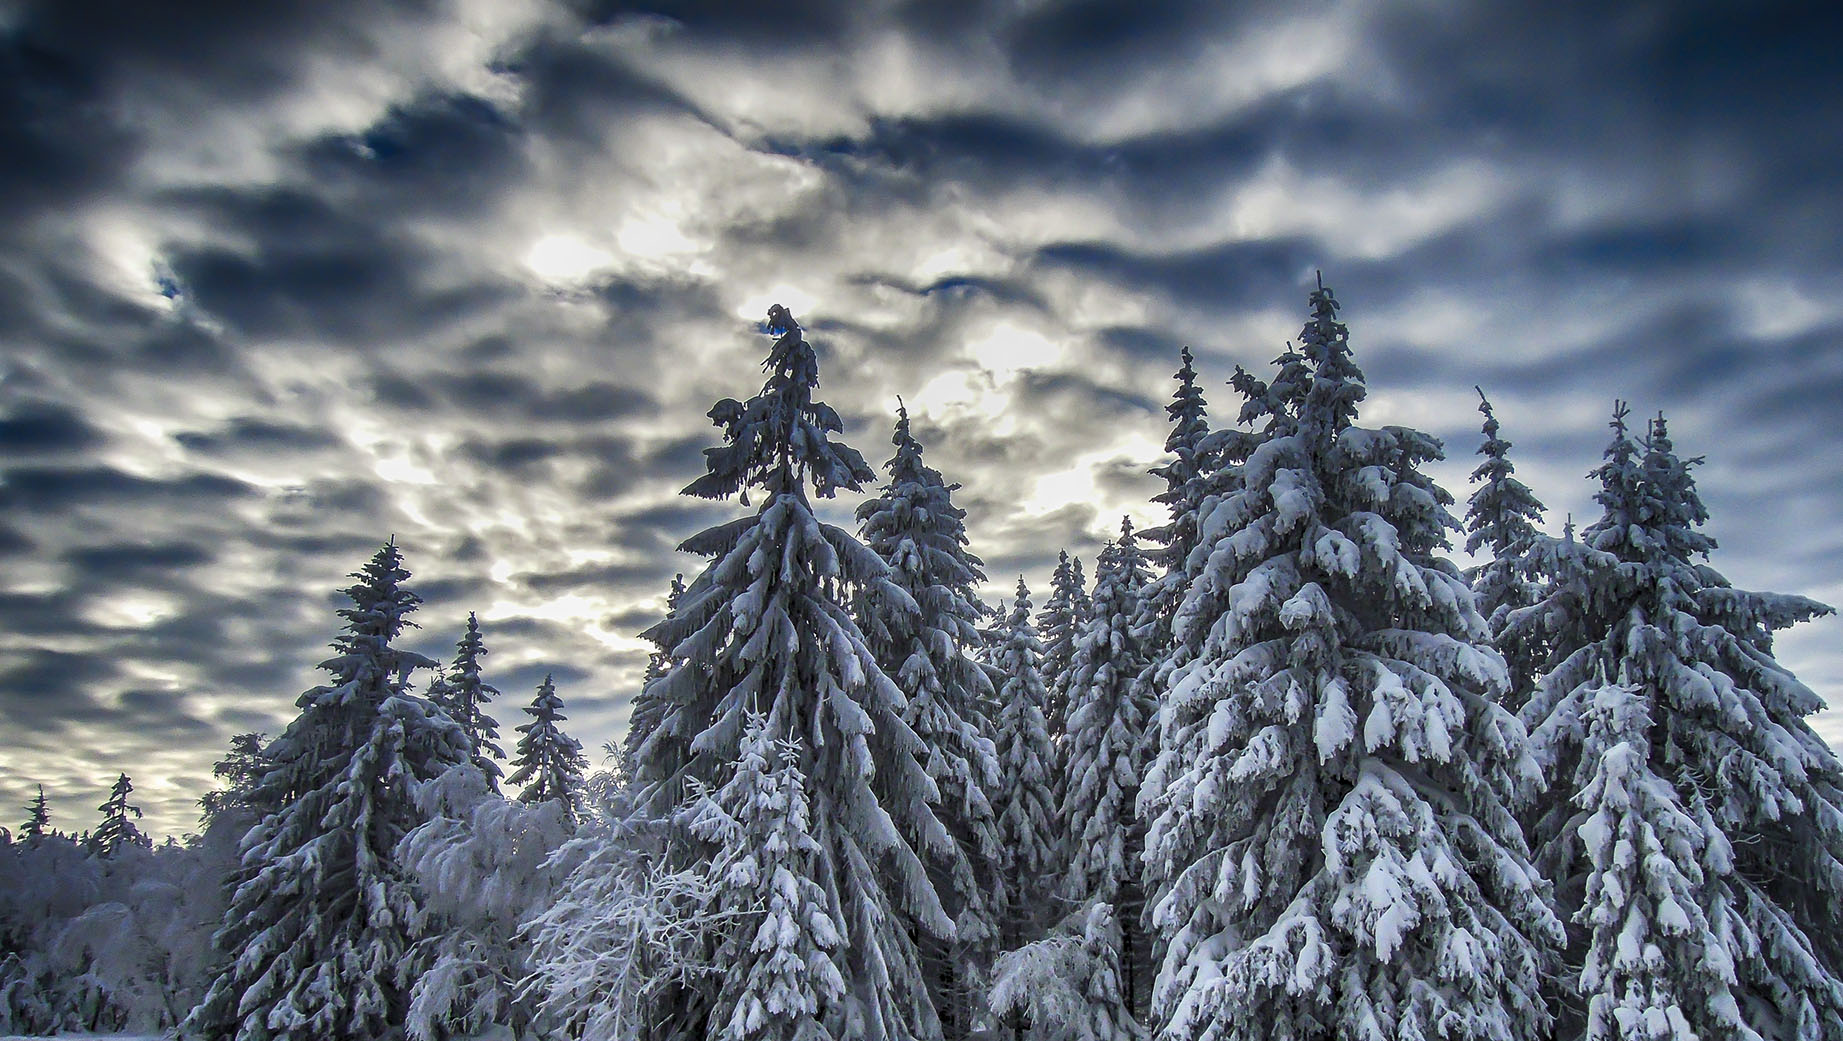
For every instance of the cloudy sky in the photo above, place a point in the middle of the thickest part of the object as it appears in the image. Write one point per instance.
(280, 280)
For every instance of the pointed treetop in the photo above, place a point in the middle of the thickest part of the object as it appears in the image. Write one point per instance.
(463, 695)
(380, 605)
(549, 763)
(116, 829)
(1503, 512)
(1673, 506)
(38, 817)
(777, 440)
(1337, 384)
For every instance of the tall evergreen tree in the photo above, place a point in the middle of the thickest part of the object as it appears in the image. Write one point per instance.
(1653, 967)
(463, 695)
(38, 818)
(643, 715)
(925, 641)
(1028, 833)
(117, 830)
(1726, 731)
(1186, 474)
(779, 974)
(1058, 624)
(1110, 715)
(241, 771)
(1501, 519)
(549, 764)
(324, 935)
(1334, 834)
(765, 628)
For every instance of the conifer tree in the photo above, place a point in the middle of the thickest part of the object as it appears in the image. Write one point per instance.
(1028, 832)
(644, 714)
(118, 829)
(1726, 732)
(1334, 834)
(324, 934)
(38, 819)
(549, 763)
(779, 975)
(925, 641)
(1110, 715)
(1059, 624)
(1653, 966)
(1501, 519)
(1186, 474)
(766, 628)
(463, 695)
(241, 770)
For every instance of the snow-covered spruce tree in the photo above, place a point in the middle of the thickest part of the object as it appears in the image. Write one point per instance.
(779, 974)
(1501, 519)
(925, 641)
(485, 865)
(1334, 834)
(1067, 987)
(646, 708)
(1653, 966)
(1058, 624)
(323, 937)
(118, 829)
(1110, 716)
(240, 771)
(765, 628)
(463, 695)
(1727, 731)
(549, 763)
(1186, 474)
(38, 818)
(1029, 835)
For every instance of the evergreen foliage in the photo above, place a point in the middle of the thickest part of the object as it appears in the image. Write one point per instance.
(324, 936)
(240, 771)
(1653, 967)
(925, 641)
(1059, 624)
(549, 763)
(463, 695)
(779, 976)
(1333, 834)
(1109, 748)
(1029, 835)
(1067, 987)
(38, 818)
(1727, 733)
(1501, 519)
(647, 707)
(765, 629)
(118, 829)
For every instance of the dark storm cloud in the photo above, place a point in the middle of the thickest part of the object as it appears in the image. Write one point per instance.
(513, 395)
(1231, 275)
(54, 488)
(596, 575)
(46, 426)
(253, 433)
(136, 561)
(317, 271)
(441, 153)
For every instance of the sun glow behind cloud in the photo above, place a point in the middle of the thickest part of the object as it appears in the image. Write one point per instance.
(566, 258)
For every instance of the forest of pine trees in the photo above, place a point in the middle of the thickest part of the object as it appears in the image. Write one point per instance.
(1283, 771)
